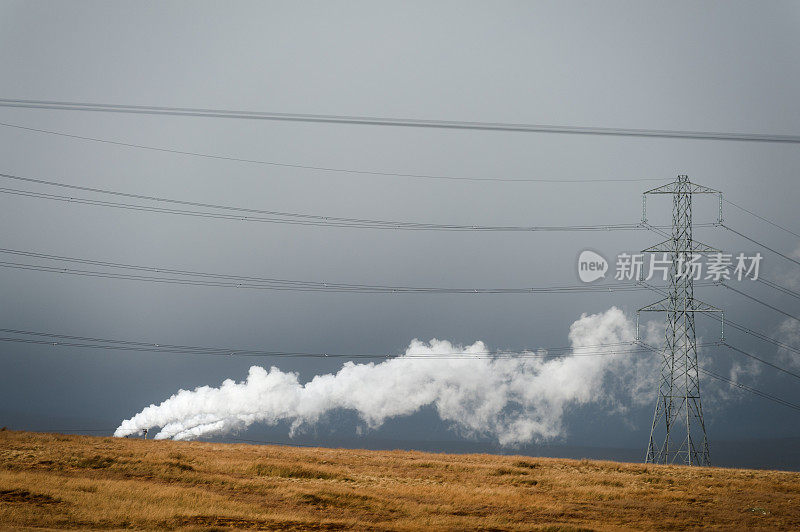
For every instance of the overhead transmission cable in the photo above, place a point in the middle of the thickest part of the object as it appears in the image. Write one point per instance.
(281, 354)
(778, 287)
(754, 357)
(329, 168)
(728, 321)
(179, 276)
(756, 334)
(750, 389)
(739, 385)
(62, 340)
(659, 230)
(759, 301)
(731, 323)
(282, 217)
(765, 362)
(756, 242)
(748, 211)
(322, 288)
(394, 122)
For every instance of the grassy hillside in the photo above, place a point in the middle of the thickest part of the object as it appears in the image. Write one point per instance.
(53, 480)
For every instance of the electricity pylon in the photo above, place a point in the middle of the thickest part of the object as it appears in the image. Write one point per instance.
(678, 400)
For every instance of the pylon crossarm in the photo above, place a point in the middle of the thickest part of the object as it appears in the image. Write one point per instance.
(694, 188)
(700, 306)
(669, 188)
(661, 247)
(666, 247)
(699, 247)
(672, 188)
(658, 306)
(693, 305)
(681, 186)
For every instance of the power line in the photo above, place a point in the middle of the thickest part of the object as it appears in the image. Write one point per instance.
(739, 385)
(177, 348)
(750, 389)
(89, 273)
(770, 364)
(280, 217)
(735, 325)
(658, 230)
(326, 168)
(760, 336)
(60, 340)
(395, 122)
(762, 218)
(778, 287)
(281, 354)
(756, 242)
(764, 303)
(190, 277)
(241, 351)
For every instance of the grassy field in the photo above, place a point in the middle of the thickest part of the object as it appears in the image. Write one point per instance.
(58, 481)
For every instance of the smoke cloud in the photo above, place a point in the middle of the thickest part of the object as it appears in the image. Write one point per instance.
(514, 400)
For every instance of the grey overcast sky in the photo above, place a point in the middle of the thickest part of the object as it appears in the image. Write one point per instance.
(707, 66)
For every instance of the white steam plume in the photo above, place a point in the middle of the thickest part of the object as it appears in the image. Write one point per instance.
(789, 333)
(514, 400)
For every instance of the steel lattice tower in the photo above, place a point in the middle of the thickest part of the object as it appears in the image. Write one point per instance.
(678, 406)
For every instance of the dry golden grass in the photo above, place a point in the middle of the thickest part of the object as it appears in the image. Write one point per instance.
(58, 481)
